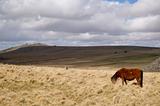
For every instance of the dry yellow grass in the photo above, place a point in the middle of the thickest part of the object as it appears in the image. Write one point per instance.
(50, 86)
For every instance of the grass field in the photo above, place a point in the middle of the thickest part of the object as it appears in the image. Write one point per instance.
(53, 86)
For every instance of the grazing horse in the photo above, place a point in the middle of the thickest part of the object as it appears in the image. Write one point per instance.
(128, 74)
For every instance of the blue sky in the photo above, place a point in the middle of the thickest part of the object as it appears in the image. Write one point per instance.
(122, 1)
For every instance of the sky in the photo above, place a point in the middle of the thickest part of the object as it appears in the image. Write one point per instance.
(122, 1)
(80, 22)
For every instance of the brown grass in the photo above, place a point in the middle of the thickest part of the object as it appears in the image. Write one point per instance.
(50, 86)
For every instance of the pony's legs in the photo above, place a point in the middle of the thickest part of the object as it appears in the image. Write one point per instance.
(122, 82)
(138, 81)
(125, 82)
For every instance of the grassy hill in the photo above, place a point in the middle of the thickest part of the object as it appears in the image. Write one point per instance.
(81, 56)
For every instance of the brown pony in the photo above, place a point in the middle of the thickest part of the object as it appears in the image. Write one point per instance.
(128, 74)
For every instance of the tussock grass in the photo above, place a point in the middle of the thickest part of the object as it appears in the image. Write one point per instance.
(50, 86)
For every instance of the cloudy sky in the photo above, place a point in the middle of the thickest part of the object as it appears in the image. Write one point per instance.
(80, 22)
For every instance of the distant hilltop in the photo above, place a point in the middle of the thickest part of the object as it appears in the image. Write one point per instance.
(22, 46)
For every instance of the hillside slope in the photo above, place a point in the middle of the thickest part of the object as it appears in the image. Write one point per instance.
(81, 56)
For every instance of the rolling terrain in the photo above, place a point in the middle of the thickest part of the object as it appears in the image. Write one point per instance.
(92, 56)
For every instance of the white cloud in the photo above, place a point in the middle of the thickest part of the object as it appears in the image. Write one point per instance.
(145, 24)
(146, 7)
(46, 8)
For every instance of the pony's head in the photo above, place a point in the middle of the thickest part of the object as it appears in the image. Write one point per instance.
(113, 79)
(116, 76)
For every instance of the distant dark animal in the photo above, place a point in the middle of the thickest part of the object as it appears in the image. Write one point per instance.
(128, 74)
(115, 52)
(125, 51)
(66, 68)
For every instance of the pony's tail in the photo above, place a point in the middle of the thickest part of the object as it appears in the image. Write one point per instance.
(141, 84)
